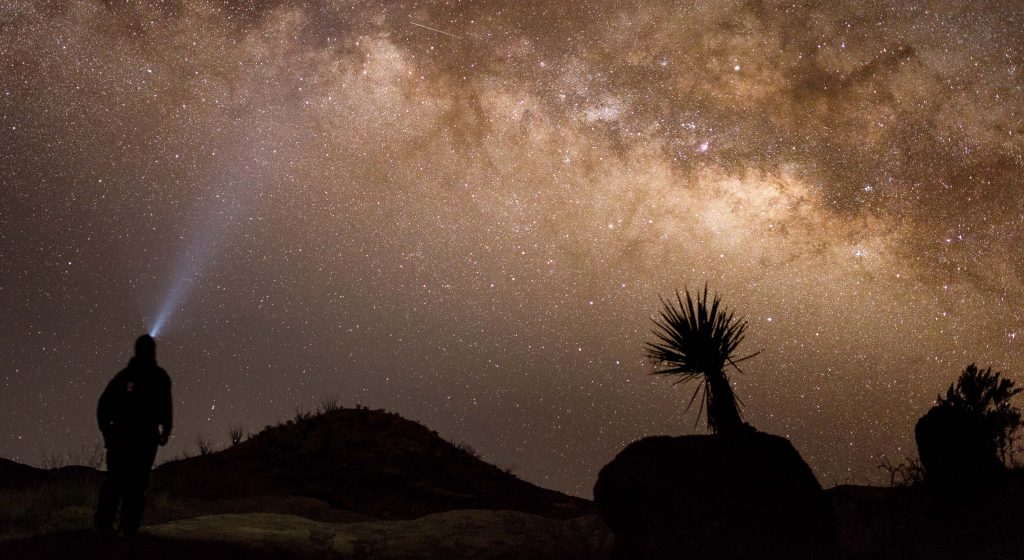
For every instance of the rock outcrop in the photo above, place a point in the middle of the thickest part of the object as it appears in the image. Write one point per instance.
(743, 496)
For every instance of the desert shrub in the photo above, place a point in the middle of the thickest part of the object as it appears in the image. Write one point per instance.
(986, 396)
(964, 441)
(904, 473)
(204, 444)
(328, 404)
(236, 434)
(53, 460)
(87, 454)
(467, 448)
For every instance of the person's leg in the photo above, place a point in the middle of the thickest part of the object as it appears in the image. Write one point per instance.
(136, 482)
(111, 491)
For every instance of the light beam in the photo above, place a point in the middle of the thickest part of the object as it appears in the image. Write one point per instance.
(209, 236)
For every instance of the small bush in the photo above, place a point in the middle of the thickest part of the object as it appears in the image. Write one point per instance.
(236, 434)
(986, 396)
(328, 404)
(903, 474)
(964, 440)
(87, 454)
(53, 460)
(204, 445)
(467, 448)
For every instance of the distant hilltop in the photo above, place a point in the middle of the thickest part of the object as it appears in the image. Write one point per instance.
(370, 462)
(343, 483)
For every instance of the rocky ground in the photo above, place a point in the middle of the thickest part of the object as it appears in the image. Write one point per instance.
(463, 534)
(372, 485)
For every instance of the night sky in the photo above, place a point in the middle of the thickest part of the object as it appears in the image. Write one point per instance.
(465, 213)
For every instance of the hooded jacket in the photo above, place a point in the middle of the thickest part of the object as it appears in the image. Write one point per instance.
(135, 403)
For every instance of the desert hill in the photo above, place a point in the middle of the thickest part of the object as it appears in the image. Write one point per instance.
(370, 462)
(347, 483)
(16, 475)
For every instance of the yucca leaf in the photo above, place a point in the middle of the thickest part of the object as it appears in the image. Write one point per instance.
(697, 339)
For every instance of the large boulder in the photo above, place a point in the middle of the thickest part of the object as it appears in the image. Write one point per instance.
(957, 451)
(743, 496)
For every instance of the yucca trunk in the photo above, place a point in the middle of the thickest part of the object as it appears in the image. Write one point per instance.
(723, 415)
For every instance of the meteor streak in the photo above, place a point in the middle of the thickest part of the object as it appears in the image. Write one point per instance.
(433, 29)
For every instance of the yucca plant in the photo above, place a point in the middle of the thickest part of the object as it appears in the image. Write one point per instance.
(696, 340)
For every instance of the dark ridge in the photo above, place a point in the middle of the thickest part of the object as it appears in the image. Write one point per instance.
(16, 475)
(369, 462)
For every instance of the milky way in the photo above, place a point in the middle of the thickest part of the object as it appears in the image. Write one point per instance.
(466, 213)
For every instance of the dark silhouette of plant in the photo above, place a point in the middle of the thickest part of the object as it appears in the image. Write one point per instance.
(236, 434)
(204, 444)
(86, 455)
(468, 449)
(328, 404)
(903, 474)
(696, 340)
(53, 460)
(986, 396)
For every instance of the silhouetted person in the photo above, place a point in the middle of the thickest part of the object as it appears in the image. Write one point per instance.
(134, 414)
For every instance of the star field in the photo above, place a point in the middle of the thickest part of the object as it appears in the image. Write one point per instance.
(465, 213)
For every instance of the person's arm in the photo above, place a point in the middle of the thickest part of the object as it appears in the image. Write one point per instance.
(166, 412)
(103, 411)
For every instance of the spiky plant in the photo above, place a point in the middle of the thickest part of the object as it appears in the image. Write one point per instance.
(696, 340)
